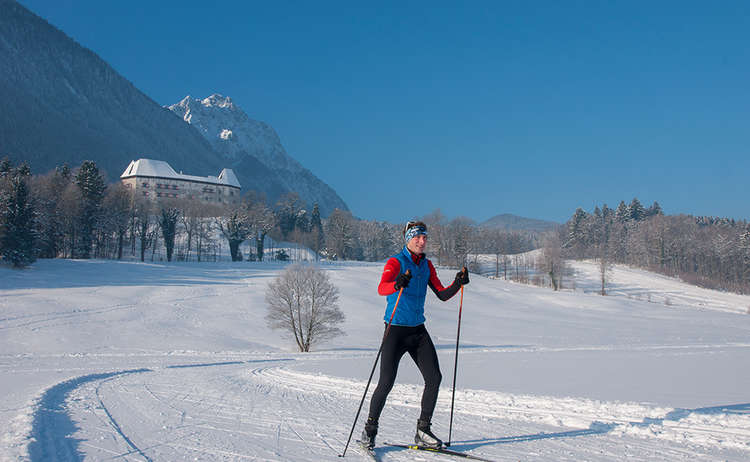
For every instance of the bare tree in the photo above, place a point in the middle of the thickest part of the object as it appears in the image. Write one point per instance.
(552, 262)
(461, 232)
(340, 235)
(438, 243)
(145, 228)
(116, 214)
(302, 302)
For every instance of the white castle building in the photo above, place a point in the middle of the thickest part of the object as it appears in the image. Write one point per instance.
(156, 179)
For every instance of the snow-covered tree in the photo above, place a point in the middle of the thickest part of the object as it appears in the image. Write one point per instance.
(262, 221)
(637, 212)
(340, 235)
(168, 225)
(622, 214)
(577, 236)
(236, 228)
(18, 233)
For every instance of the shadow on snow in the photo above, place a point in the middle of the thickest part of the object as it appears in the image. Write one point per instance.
(601, 428)
(53, 428)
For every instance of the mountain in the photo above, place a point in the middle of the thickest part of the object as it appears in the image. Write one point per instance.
(63, 104)
(510, 222)
(238, 138)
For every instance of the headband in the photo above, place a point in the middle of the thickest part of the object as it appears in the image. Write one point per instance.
(414, 231)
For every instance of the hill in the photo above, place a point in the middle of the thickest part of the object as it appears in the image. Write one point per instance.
(510, 222)
(102, 359)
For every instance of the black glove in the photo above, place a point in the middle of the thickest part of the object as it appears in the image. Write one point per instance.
(462, 277)
(402, 280)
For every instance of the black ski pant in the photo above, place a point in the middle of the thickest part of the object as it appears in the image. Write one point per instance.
(416, 341)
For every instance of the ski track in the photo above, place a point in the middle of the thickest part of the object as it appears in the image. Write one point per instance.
(207, 411)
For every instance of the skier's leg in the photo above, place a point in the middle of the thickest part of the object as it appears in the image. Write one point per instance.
(393, 350)
(425, 357)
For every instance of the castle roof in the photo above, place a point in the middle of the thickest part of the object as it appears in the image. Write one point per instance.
(159, 169)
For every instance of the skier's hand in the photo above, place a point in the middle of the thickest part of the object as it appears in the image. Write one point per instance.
(402, 280)
(462, 277)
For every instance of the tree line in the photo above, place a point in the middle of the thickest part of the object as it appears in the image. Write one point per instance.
(73, 213)
(711, 252)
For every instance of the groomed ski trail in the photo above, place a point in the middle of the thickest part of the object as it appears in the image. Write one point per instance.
(264, 409)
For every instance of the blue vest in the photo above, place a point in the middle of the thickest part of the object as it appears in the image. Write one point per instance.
(410, 310)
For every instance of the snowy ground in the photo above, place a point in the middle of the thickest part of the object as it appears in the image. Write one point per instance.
(102, 360)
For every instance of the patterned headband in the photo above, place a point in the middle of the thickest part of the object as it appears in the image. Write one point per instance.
(415, 231)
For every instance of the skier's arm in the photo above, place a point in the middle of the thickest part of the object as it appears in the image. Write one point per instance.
(443, 293)
(388, 279)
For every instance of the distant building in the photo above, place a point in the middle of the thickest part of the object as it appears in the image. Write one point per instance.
(156, 179)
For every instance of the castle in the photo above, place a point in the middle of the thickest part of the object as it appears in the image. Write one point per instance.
(157, 180)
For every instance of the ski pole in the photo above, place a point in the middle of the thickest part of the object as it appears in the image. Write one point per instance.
(455, 365)
(372, 372)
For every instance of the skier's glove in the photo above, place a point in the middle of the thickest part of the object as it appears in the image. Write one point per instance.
(402, 280)
(462, 277)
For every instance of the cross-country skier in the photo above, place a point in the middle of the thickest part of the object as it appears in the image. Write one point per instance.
(407, 332)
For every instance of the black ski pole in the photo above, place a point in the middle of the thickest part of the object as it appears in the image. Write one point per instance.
(372, 372)
(455, 364)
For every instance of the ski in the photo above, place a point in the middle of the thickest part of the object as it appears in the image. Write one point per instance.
(369, 451)
(444, 451)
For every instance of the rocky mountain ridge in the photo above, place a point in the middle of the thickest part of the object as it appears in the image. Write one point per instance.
(62, 103)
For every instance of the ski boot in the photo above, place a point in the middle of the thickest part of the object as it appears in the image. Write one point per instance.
(368, 434)
(425, 437)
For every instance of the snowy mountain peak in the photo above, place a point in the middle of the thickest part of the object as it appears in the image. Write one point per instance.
(218, 100)
(238, 138)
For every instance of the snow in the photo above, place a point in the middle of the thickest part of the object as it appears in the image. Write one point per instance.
(154, 361)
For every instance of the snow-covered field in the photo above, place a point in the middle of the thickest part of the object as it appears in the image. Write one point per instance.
(101, 360)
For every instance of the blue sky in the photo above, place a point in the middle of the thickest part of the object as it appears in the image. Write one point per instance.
(475, 108)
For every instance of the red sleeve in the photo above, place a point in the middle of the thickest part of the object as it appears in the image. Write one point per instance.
(434, 281)
(390, 272)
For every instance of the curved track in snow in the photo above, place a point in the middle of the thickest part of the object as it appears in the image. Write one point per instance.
(266, 410)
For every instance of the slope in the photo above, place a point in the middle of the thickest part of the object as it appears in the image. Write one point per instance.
(163, 362)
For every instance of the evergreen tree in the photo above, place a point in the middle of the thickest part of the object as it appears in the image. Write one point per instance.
(637, 212)
(577, 238)
(316, 227)
(49, 193)
(745, 254)
(92, 188)
(654, 210)
(5, 167)
(287, 213)
(622, 214)
(17, 219)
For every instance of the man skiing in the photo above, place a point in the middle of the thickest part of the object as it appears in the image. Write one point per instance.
(407, 332)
